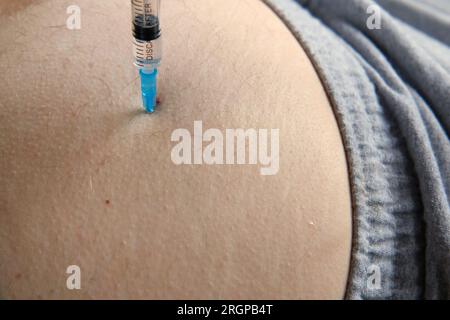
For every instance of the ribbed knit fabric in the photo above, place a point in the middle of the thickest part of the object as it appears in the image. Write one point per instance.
(390, 90)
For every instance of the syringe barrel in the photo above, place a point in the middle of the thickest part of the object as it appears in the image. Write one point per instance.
(147, 54)
(146, 7)
(146, 32)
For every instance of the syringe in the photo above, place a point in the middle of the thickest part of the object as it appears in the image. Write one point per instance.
(147, 47)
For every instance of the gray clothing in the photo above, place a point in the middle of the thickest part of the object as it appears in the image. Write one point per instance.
(390, 90)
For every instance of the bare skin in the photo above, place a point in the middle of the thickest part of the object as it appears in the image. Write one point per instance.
(86, 177)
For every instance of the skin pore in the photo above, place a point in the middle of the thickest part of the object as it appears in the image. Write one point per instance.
(86, 177)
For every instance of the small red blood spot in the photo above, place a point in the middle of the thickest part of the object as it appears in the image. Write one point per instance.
(158, 100)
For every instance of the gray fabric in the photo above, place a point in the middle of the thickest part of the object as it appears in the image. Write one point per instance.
(390, 90)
